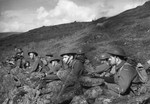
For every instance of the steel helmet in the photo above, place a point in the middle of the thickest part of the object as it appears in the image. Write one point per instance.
(68, 52)
(35, 53)
(80, 52)
(55, 59)
(117, 51)
(104, 56)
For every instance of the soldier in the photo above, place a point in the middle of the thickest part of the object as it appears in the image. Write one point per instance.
(36, 61)
(125, 76)
(35, 74)
(47, 66)
(93, 81)
(56, 66)
(71, 80)
(51, 83)
(44, 66)
(52, 74)
(19, 58)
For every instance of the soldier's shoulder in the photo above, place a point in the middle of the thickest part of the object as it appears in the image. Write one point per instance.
(103, 65)
(76, 62)
(128, 66)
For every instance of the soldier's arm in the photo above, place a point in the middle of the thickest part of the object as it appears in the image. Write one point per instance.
(99, 70)
(35, 65)
(77, 70)
(102, 68)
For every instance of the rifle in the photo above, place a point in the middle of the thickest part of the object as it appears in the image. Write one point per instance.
(109, 79)
(94, 75)
(65, 85)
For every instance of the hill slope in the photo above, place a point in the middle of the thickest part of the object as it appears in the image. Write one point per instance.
(129, 29)
(6, 34)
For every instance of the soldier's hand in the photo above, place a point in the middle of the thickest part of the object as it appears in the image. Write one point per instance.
(107, 74)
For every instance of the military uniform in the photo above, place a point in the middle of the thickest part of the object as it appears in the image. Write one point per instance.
(51, 84)
(125, 76)
(35, 67)
(35, 64)
(55, 69)
(52, 73)
(71, 85)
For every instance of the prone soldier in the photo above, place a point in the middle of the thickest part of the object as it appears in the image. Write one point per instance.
(71, 85)
(125, 76)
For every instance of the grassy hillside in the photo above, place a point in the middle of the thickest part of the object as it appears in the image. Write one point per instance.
(129, 29)
(6, 34)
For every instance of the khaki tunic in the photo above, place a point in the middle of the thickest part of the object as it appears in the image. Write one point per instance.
(126, 76)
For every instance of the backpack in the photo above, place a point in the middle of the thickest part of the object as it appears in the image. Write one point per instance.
(142, 74)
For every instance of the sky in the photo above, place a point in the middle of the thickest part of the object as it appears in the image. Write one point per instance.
(24, 15)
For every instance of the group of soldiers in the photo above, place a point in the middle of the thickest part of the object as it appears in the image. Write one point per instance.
(70, 78)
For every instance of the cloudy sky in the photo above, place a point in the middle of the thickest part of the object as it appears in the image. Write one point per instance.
(24, 15)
